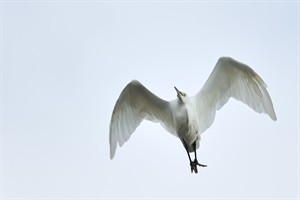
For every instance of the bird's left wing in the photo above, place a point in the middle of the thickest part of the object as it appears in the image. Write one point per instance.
(134, 104)
(231, 78)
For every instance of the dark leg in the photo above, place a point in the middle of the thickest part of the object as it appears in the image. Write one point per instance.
(187, 151)
(196, 161)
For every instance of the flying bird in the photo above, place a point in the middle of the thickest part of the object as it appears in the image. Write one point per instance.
(187, 117)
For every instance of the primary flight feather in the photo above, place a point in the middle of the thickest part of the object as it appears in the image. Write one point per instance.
(188, 117)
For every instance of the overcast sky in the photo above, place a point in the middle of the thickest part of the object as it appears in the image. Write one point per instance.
(64, 65)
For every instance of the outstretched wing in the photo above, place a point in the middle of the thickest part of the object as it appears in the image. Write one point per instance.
(135, 104)
(231, 78)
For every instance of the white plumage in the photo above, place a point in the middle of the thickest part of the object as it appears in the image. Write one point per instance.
(188, 117)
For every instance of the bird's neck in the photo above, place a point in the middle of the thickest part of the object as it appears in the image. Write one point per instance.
(180, 101)
(183, 100)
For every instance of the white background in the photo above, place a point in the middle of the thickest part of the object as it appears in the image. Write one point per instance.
(65, 63)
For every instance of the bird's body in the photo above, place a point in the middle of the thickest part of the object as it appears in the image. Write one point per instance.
(188, 117)
(186, 122)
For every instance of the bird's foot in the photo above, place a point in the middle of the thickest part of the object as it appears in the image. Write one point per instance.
(194, 165)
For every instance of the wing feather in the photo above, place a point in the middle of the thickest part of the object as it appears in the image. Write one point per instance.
(231, 78)
(134, 104)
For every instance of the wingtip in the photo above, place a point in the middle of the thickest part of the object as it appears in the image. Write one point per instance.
(274, 118)
(272, 115)
(111, 155)
(112, 151)
(112, 144)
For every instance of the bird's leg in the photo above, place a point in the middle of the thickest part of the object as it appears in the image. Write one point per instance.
(196, 161)
(192, 163)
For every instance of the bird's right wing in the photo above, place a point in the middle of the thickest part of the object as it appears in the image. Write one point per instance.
(134, 104)
(231, 78)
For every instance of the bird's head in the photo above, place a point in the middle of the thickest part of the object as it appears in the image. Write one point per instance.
(180, 95)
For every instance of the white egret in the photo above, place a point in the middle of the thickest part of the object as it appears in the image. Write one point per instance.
(187, 117)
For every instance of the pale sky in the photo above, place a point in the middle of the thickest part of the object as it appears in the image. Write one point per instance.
(65, 63)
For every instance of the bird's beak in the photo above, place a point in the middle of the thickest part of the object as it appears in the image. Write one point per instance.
(178, 92)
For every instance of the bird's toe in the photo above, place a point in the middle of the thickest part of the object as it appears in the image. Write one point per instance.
(199, 164)
(194, 167)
